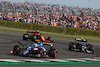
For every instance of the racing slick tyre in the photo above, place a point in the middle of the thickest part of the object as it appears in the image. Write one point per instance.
(48, 38)
(53, 53)
(40, 51)
(71, 46)
(21, 50)
(91, 49)
(25, 36)
(16, 49)
(33, 38)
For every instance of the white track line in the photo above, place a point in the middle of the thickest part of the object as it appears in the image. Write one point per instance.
(50, 60)
(89, 59)
(9, 60)
(32, 60)
(56, 60)
(75, 60)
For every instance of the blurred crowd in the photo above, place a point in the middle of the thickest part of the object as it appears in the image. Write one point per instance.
(51, 14)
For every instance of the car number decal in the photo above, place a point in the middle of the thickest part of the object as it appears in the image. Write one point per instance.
(35, 48)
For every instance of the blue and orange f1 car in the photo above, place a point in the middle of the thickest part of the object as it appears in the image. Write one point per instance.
(35, 49)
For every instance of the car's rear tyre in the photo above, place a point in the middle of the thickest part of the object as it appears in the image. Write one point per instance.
(40, 51)
(24, 36)
(92, 49)
(48, 38)
(70, 46)
(16, 49)
(33, 38)
(53, 53)
(20, 53)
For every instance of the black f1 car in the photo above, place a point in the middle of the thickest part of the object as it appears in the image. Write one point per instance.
(35, 50)
(81, 45)
(35, 35)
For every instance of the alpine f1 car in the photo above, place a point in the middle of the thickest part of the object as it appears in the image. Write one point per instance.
(81, 45)
(35, 35)
(36, 49)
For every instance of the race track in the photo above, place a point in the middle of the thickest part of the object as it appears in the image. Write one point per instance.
(9, 39)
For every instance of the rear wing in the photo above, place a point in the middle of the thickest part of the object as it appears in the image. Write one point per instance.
(79, 39)
(32, 32)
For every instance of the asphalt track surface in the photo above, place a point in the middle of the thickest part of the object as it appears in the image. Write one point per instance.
(9, 39)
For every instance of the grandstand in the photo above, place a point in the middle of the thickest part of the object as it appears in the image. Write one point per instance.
(51, 14)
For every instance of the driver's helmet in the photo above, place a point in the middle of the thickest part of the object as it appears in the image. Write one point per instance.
(36, 45)
(83, 38)
(38, 33)
(81, 42)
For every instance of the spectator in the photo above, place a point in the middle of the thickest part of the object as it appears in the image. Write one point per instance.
(54, 15)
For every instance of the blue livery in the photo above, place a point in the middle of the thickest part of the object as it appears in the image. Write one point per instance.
(34, 45)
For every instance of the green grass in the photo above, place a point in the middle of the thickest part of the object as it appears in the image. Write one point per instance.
(50, 63)
(61, 35)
